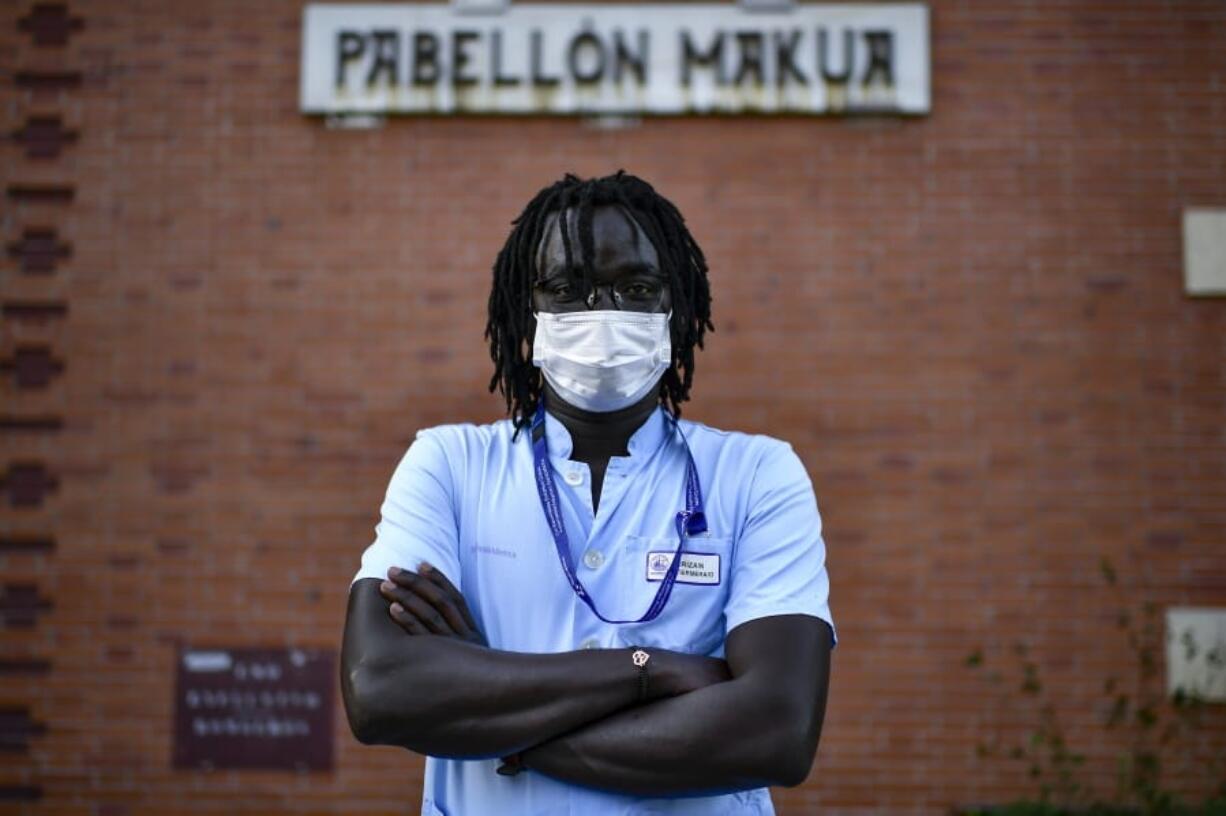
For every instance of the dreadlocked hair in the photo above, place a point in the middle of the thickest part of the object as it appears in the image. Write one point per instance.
(511, 326)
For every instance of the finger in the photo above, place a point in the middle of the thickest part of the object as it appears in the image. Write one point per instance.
(440, 579)
(428, 615)
(438, 598)
(424, 611)
(406, 621)
(414, 581)
(395, 594)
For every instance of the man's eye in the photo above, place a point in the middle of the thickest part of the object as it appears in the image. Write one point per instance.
(563, 290)
(640, 290)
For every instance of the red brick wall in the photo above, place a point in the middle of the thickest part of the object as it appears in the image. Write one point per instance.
(970, 325)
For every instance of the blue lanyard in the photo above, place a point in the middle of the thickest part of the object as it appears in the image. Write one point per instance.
(689, 521)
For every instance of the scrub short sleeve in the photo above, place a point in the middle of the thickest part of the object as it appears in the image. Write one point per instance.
(779, 560)
(418, 518)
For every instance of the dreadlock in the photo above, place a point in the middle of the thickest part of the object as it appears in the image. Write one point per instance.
(511, 324)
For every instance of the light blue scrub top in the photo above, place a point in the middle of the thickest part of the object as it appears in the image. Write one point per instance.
(463, 498)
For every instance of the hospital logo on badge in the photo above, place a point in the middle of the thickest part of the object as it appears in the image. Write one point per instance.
(696, 568)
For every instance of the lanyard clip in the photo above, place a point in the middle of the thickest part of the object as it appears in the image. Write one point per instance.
(691, 523)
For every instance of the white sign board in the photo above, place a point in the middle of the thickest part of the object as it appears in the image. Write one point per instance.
(1196, 652)
(620, 59)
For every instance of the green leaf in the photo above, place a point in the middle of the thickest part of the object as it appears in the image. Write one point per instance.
(1107, 569)
(1119, 711)
(1030, 680)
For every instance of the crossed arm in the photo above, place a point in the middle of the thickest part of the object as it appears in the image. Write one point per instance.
(416, 673)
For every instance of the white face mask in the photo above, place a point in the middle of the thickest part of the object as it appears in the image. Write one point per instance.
(602, 360)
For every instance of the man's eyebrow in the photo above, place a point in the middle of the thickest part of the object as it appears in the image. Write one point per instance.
(559, 271)
(639, 267)
(576, 270)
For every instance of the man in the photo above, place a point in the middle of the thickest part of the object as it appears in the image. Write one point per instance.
(593, 606)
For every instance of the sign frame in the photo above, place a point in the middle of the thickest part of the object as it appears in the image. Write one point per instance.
(616, 59)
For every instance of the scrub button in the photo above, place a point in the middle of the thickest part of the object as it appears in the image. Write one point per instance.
(593, 559)
(573, 477)
(590, 643)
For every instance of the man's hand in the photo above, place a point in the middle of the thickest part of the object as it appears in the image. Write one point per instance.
(426, 603)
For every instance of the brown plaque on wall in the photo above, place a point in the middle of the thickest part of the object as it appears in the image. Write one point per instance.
(254, 708)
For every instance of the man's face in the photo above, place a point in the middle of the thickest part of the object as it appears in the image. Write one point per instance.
(626, 268)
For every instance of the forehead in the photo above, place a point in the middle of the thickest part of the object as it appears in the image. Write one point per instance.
(617, 241)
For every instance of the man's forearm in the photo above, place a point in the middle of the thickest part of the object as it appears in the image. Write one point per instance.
(728, 736)
(448, 698)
